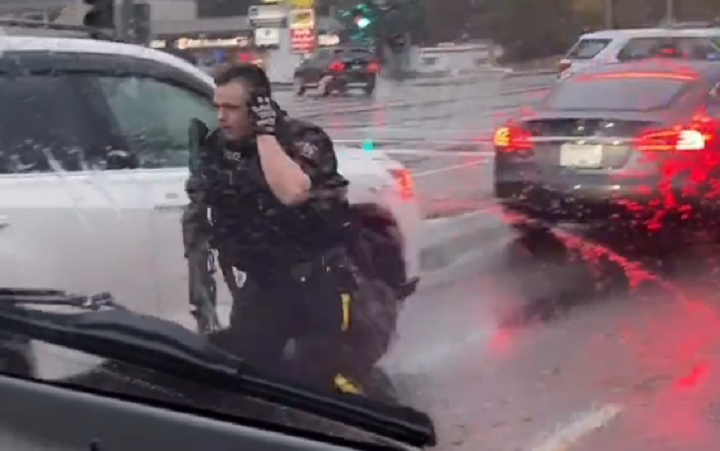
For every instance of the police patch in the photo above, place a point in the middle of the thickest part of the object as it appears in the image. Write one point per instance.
(308, 150)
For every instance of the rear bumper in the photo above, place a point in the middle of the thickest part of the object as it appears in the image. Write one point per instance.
(354, 79)
(598, 204)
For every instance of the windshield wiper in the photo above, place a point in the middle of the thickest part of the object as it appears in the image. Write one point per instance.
(108, 330)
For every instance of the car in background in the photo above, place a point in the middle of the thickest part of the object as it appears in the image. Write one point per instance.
(613, 46)
(618, 144)
(337, 69)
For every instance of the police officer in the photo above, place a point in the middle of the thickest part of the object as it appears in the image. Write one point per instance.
(279, 214)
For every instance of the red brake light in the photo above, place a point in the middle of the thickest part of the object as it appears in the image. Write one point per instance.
(374, 67)
(698, 136)
(336, 67)
(512, 137)
(679, 76)
(245, 57)
(405, 183)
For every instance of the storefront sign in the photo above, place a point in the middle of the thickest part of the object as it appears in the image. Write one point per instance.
(300, 19)
(201, 43)
(302, 40)
(190, 43)
(302, 4)
(328, 40)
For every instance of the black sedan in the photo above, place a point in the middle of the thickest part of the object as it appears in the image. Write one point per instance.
(618, 144)
(339, 70)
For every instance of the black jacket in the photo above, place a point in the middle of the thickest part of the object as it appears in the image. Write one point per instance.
(250, 227)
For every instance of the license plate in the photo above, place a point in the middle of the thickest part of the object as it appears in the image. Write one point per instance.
(355, 67)
(356, 85)
(581, 155)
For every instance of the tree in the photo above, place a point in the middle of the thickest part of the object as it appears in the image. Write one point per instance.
(528, 29)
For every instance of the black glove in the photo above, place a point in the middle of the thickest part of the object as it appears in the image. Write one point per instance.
(264, 113)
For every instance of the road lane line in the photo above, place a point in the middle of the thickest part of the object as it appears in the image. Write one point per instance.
(570, 434)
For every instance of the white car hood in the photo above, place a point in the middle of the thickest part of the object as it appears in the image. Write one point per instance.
(368, 172)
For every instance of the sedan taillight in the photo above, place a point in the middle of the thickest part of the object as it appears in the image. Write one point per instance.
(512, 137)
(700, 135)
(336, 67)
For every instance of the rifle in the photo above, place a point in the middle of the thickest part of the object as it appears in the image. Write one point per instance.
(202, 288)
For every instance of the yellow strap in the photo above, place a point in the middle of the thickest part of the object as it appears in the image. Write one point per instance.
(345, 386)
(346, 299)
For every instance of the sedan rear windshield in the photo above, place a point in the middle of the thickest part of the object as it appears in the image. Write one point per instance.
(354, 53)
(614, 92)
(587, 49)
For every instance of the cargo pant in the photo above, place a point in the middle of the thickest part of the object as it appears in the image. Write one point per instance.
(341, 323)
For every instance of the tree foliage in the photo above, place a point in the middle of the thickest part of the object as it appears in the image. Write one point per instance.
(538, 28)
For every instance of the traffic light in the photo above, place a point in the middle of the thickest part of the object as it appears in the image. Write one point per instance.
(101, 14)
(362, 22)
(363, 16)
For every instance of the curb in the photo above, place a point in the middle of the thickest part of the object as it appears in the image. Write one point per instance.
(530, 73)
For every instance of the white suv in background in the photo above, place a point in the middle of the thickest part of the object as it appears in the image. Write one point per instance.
(614, 46)
(93, 162)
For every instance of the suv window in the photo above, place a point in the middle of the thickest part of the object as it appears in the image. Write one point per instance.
(586, 49)
(153, 116)
(693, 48)
(45, 125)
(612, 92)
(639, 48)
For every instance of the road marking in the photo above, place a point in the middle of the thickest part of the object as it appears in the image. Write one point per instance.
(570, 434)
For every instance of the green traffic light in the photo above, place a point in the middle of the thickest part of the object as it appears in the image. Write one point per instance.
(362, 22)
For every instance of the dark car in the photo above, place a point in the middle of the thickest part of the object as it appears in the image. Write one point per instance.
(630, 143)
(337, 70)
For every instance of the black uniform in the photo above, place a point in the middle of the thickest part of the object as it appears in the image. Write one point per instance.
(300, 282)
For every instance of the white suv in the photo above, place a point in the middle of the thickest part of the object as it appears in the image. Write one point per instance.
(616, 46)
(75, 217)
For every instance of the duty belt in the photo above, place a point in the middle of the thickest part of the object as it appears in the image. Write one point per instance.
(335, 257)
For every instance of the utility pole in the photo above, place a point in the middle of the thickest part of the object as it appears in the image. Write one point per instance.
(670, 11)
(609, 14)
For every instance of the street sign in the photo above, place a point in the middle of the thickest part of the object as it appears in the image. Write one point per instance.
(299, 19)
(266, 37)
(267, 16)
(302, 40)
